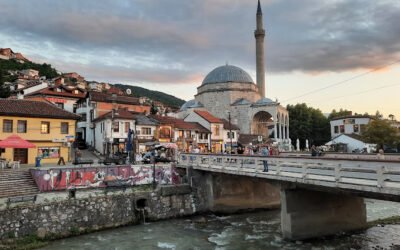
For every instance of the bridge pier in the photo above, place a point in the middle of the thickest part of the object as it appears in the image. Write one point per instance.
(308, 214)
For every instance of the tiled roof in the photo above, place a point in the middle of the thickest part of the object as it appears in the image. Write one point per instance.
(27, 108)
(179, 123)
(207, 116)
(352, 116)
(144, 120)
(53, 92)
(104, 97)
(232, 126)
(118, 114)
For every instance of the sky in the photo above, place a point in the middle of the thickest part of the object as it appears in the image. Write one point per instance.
(329, 54)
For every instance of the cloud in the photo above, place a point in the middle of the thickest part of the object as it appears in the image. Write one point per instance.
(180, 41)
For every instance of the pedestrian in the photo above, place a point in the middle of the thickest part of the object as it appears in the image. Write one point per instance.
(313, 150)
(381, 154)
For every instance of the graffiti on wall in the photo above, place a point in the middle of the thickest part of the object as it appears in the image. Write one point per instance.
(101, 177)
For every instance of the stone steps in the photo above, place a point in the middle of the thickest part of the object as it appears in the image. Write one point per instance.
(16, 183)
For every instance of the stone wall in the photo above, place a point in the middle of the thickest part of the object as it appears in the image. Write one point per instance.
(57, 215)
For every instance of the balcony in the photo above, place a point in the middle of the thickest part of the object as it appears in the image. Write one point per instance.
(82, 110)
(82, 124)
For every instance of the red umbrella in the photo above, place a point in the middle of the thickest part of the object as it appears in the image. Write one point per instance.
(14, 141)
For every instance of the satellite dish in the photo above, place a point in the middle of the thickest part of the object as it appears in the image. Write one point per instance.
(128, 91)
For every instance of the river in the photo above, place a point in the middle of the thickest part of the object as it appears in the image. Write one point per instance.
(258, 230)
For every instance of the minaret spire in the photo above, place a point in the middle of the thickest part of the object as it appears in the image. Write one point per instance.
(259, 34)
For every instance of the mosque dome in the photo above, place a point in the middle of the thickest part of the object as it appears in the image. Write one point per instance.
(191, 104)
(227, 73)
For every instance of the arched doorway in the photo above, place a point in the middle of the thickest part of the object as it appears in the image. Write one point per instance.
(262, 124)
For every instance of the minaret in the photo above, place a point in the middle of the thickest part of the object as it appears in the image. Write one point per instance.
(259, 34)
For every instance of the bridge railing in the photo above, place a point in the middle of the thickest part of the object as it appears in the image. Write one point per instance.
(328, 172)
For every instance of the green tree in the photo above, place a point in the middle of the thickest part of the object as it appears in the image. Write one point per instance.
(4, 90)
(341, 112)
(153, 109)
(382, 133)
(308, 123)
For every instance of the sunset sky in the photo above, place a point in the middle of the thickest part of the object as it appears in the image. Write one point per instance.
(323, 53)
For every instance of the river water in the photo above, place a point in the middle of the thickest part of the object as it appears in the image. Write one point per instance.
(259, 230)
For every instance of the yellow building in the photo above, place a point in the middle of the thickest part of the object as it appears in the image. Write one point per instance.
(50, 128)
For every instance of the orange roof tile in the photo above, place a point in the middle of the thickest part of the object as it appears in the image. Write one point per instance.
(208, 117)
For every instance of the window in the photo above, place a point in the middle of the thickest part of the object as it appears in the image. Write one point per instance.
(180, 133)
(341, 128)
(91, 115)
(231, 135)
(60, 105)
(45, 128)
(216, 130)
(146, 131)
(49, 152)
(21, 126)
(84, 118)
(7, 126)
(116, 127)
(64, 128)
(356, 128)
(336, 128)
(127, 127)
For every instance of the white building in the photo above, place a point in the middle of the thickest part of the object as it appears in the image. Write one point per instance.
(111, 131)
(352, 143)
(353, 124)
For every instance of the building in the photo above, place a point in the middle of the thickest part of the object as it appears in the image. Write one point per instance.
(63, 96)
(352, 124)
(50, 128)
(96, 104)
(187, 135)
(111, 131)
(215, 125)
(146, 132)
(230, 91)
(231, 135)
(348, 143)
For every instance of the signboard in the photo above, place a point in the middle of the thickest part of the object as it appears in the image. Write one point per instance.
(59, 140)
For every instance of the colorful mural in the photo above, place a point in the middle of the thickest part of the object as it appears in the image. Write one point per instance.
(101, 177)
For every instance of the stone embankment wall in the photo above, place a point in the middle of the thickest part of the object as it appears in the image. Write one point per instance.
(57, 215)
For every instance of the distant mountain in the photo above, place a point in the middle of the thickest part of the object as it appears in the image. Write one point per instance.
(166, 99)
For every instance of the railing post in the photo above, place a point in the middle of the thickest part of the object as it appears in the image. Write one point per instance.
(338, 169)
(305, 167)
(278, 168)
(380, 176)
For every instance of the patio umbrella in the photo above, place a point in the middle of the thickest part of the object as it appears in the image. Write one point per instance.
(14, 141)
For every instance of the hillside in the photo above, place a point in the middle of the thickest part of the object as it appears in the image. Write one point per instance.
(44, 69)
(166, 99)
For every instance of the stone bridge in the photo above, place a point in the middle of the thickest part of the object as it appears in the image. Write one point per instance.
(318, 196)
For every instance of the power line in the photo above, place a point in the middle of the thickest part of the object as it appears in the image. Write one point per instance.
(363, 92)
(342, 82)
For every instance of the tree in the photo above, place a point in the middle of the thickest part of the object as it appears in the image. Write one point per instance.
(153, 109)
(391, 116)
(4, 90)
(341, 112)
(308, 123)
(382, 133)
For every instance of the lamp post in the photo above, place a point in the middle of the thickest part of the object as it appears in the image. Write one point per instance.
(153, 156)
(230, 130)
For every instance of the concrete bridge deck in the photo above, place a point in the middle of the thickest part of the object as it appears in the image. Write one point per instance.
(318, 196)
(372, 178)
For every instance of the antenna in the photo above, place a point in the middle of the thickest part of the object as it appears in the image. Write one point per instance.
(128, 91)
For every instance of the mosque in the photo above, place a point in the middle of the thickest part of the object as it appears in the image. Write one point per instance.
(229, 91)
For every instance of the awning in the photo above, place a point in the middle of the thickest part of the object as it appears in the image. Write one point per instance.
(14, 141)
